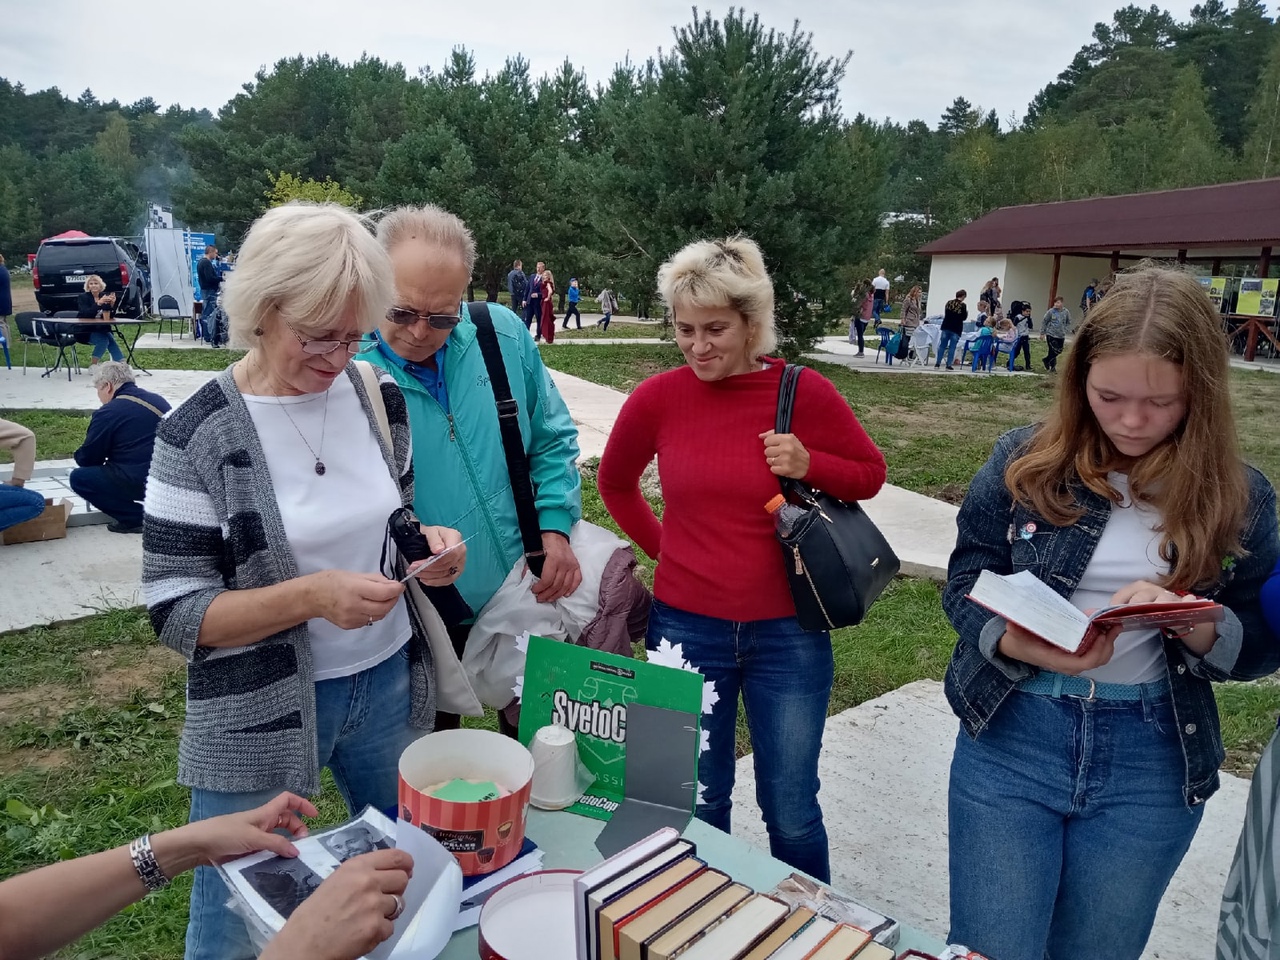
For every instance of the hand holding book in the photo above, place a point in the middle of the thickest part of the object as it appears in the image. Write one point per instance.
(1037, 615)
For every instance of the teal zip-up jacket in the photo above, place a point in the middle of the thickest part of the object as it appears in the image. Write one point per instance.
(458, 462)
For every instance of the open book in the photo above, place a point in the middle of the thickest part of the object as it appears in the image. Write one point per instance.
(1026, 600)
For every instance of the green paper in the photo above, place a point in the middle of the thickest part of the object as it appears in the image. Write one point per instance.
(464, 791)
(588, 692)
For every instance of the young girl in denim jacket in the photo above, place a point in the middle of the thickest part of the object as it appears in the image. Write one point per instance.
(1078, 781)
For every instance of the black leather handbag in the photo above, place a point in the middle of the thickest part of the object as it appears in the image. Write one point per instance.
(837, 561)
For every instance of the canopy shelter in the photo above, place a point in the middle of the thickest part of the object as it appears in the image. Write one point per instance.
(1047, 249)
(69, 235)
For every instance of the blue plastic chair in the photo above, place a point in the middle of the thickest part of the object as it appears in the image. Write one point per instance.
(885, 334)
(4, 345)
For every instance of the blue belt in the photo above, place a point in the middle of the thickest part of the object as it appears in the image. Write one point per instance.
(1050, 684)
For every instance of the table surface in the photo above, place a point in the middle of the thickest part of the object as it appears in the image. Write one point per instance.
(97, 321)
(568, 842)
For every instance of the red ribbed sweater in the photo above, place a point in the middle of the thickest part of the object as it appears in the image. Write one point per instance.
(719, 557)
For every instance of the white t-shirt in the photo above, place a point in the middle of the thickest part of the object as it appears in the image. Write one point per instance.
(336, 521)
(880, 283)
(1128, 550)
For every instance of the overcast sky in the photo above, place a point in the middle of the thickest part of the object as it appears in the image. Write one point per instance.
(911, 58)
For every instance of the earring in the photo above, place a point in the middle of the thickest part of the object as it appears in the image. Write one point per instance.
(257, 331)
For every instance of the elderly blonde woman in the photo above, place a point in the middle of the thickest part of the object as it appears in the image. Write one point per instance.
(96, 303)
(263, 550)
(113, 460)
(720, 589)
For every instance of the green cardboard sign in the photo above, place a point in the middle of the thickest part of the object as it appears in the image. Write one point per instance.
(589, 692)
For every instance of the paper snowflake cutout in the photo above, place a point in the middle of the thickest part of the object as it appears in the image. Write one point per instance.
(522, 642)
(518, 689)
(709, 696)
(667, 654)
(701, 790)
(705, 741)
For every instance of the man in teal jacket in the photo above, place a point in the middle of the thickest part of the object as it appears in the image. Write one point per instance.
(428, 344)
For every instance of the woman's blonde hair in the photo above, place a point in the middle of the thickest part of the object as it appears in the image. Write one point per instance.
(549, 276)
(95, 279)
(723, 273)
(914, 293)
(308, 263)
(1196, 477)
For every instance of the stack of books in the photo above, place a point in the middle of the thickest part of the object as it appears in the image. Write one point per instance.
(657, 900)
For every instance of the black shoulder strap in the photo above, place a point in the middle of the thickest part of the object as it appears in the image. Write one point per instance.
(512, 442)
(786, 406)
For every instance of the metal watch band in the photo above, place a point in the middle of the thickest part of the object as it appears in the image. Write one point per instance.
(144, 861)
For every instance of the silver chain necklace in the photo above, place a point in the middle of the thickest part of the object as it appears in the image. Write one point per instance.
(320, 468)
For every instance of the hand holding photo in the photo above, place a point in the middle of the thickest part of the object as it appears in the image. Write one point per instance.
(417, 568)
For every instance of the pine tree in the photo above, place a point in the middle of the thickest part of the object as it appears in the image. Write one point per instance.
(1262, 146)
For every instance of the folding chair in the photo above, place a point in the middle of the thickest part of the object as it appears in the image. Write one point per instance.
(32, 328)
(921, 343)
(167, 309)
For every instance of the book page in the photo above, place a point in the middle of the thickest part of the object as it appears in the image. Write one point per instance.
(1026, 600)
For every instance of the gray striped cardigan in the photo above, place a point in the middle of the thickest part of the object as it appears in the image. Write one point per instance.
(213, 524)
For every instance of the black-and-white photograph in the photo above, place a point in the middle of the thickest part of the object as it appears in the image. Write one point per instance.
(352, 840)
(283, 883)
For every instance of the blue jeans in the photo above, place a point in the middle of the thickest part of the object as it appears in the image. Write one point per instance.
(106, 489)
(1067, 821)
(18, 505)
(362, 727)
(784, 675)
(604, 321)
(947, 344)
(103, 342)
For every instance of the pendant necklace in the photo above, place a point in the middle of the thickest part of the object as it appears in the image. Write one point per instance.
(319, 468)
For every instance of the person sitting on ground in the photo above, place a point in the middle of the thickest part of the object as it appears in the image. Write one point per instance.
(116, 453)
(96, 303)
(16, 504)
(46, 909)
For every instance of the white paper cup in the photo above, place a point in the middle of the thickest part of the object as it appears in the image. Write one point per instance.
(555, 768)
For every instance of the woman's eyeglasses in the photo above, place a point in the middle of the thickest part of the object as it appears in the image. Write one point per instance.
(437, 321)
(320, 348)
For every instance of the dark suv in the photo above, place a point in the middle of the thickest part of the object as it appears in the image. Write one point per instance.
(61, 267)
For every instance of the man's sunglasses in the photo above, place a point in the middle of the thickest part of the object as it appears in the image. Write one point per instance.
(437, 321)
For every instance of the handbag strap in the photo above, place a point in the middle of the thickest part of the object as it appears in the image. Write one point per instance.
(512, 442)
(782, 421)
(150, 406)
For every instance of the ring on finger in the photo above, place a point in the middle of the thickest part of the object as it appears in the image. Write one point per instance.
(399, 908)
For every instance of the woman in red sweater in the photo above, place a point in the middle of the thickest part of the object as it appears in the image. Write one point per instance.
(720, 588)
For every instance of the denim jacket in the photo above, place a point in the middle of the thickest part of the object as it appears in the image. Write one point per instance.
(979, 677)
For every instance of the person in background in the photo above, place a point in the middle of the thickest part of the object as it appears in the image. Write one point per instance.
(1084, 775)
(517, 286)
(880, 291)
(953, 319)
(16, 504)
(575, 295)
(989, 297)
(608, 305)
(96, 303)
(864, 299)
(1249, 919)
(46, 909)
(1088, 298)
(533, 302)
(116, 453)
(427, 343)
(548, 324)
(209, 277)
(720, 587)
(912, 312)
(983, 346)
(1022, 324)
(1054, 328)
(264, 549)
(6, 300)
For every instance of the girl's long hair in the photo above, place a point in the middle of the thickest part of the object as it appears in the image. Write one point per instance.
(1196, 477)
